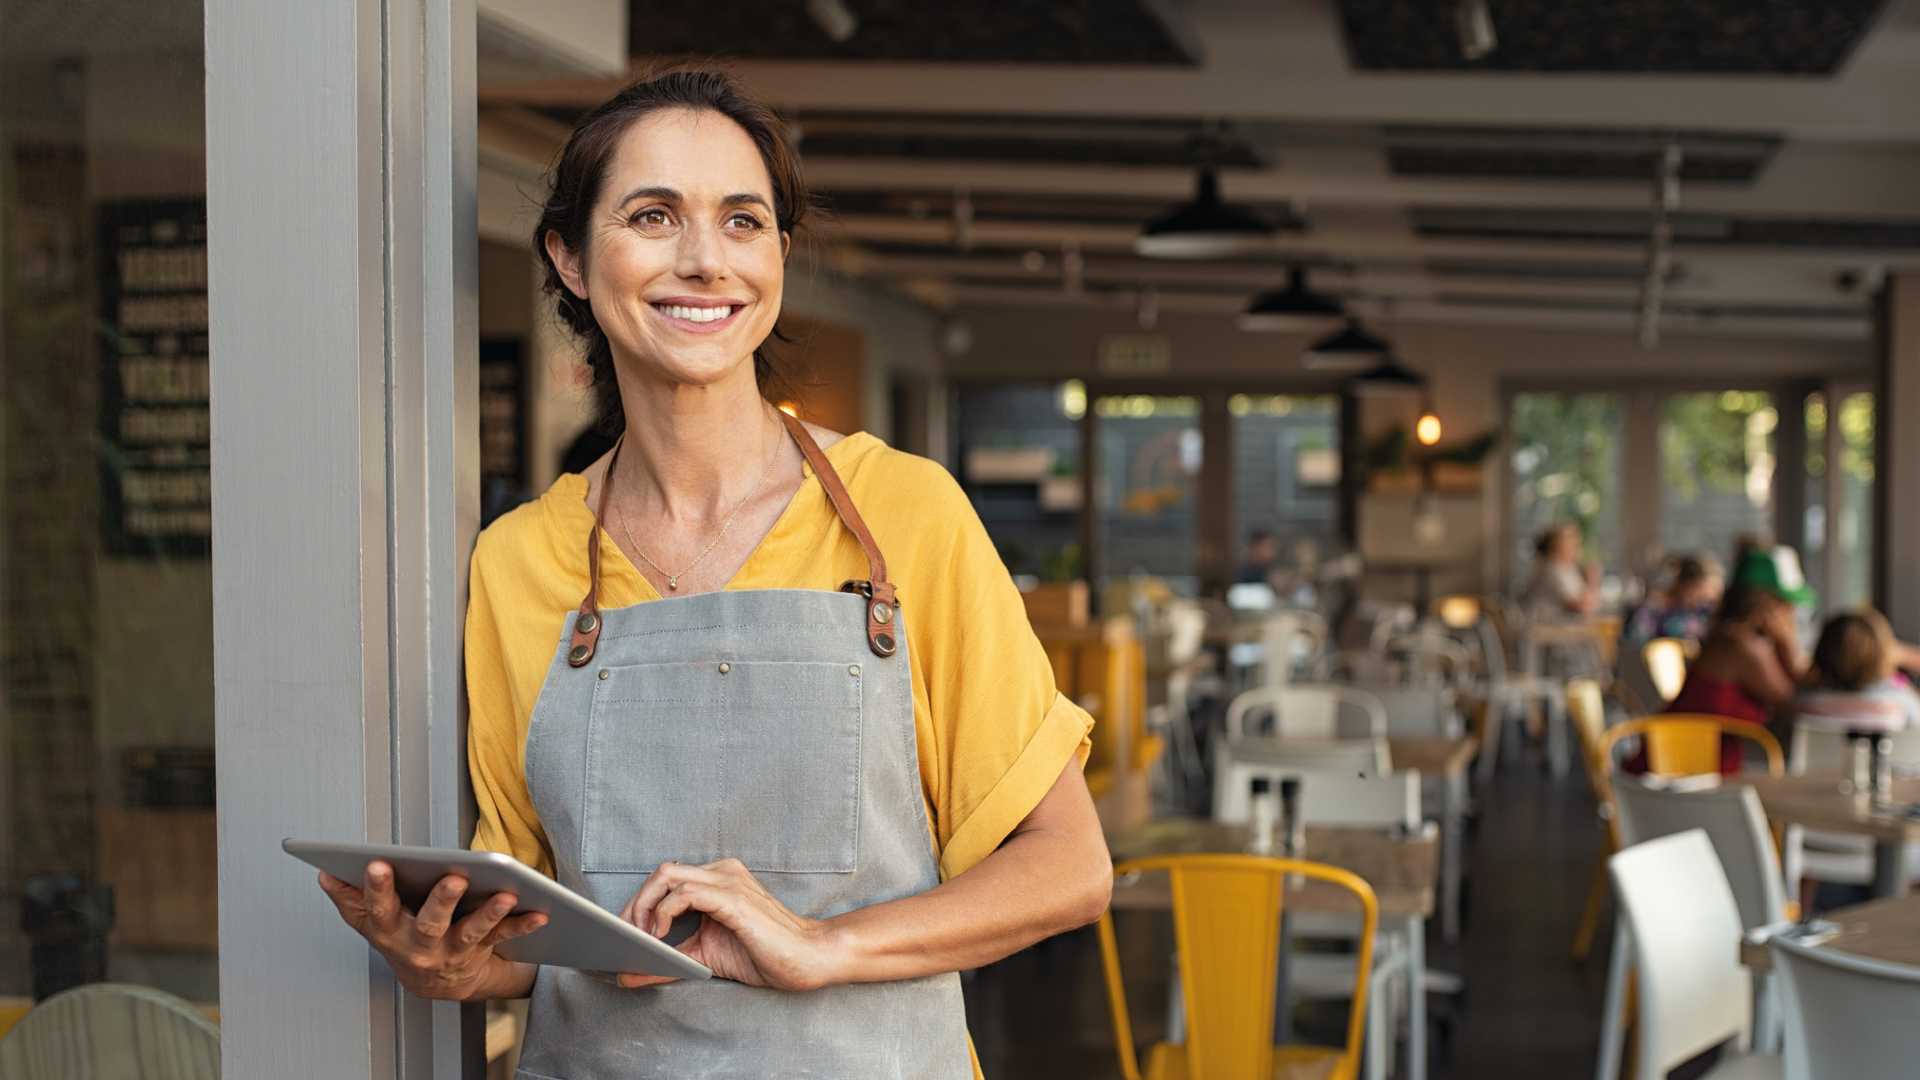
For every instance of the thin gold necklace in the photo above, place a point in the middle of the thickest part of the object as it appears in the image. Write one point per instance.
(673, 580)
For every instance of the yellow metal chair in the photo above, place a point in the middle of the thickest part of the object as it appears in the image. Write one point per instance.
(1226, 924)
(1688, 744)
(1587, 711)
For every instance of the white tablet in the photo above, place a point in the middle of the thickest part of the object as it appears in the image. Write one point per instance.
(579, 933)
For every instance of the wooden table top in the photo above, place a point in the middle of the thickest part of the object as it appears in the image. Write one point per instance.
(1436, 756)
(1818, 801)
(1880, 930)
(1402, 869)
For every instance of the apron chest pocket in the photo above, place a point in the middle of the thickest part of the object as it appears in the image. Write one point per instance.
(751, 760)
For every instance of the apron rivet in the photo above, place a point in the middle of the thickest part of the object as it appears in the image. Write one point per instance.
(579, 654)
(604, 673)
(724, 668)
(883, 613)
(587, 622)
(853, 669)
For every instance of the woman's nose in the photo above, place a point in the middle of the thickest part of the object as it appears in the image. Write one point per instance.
(700, 256)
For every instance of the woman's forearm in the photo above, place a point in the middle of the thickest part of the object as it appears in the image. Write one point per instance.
(1052, 875)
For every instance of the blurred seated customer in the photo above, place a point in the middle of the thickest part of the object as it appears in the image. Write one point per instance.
(1256, 563)
(1561, 586)
(1854, 680)
(1683, 609)
(1748, 662)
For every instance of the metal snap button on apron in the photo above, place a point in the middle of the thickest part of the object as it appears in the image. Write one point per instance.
(883, 613)
(724, 668)
(586, 622)
(604, 673)
(854, 670)
(578, 654)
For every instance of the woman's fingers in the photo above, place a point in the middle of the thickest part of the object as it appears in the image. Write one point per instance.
(437, 913)
(637, 982)
(663, 880)
(474, 929)
(346, 899)
(516, 927)
(382, 903)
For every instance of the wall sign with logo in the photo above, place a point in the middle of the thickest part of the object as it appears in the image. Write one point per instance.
(155, 490)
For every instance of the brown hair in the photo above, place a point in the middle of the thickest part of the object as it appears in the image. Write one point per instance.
(1854, 652)
(580, 172)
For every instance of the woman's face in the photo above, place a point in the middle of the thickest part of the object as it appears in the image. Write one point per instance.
(1566, 546)
(685, 261)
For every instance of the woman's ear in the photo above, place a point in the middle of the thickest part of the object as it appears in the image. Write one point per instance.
(567, 263)
(786, 246)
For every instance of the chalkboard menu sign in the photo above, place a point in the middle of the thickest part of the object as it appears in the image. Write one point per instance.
(156, 493)
(503, 426)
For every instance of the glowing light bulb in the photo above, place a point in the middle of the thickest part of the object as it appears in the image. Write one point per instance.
(1427, 428)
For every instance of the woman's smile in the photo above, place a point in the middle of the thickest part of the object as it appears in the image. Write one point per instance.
(698, 315)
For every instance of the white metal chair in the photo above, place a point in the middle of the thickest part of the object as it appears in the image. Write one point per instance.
(1820, 745)
(112, 1030)
(1678, 931)
(1736, 825)
(1418, 711)
(1309, 712)
(1508, 694)
(1235, 766)
(1389, 801)
(1848, 1017)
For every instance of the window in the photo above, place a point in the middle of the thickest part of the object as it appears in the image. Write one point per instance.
(1286, 469)
(106, 707)
(1839, 521)
(1566, 466)
(1716, 470)
(1145, 489)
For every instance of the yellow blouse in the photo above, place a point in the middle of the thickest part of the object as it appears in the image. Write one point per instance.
(992, 730)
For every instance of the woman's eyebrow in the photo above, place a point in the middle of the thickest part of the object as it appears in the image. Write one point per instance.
(664, 194)
(746, 198)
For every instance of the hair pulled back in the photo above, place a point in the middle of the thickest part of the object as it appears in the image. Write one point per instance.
(579, 175)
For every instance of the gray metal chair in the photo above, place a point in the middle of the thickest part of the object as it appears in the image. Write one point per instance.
(112, 1030)
(1848, 1017)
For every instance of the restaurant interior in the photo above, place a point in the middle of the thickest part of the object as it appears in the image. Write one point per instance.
(1397, 415)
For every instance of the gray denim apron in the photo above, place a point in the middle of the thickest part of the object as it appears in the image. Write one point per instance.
(771, 726)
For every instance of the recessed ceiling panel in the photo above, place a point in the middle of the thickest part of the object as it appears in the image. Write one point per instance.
(1776, 37)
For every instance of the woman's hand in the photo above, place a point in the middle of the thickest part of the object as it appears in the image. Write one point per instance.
(432, 956)
(746, 934)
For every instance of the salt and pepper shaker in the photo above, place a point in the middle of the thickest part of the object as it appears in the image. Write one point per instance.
(1264, 817)
(1880, 768)
(1859, 763)
(1294, 825)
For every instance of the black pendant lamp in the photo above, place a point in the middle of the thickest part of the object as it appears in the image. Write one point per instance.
(1350, 348)
(1388, 378)
(1295, 307)
(1203, 228)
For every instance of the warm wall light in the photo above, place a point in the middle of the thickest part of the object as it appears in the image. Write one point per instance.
(1427, 428)
(790, 409)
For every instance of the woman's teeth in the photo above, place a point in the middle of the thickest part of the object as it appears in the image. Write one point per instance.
(695, 314)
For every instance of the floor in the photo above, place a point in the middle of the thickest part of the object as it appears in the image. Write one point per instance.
(1528, 1009)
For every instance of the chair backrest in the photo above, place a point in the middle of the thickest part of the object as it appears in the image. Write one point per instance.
(1820, 744)
(1308, 712)
(1588, 712)
(1226, 927)
(1186, 630)
(1429, 657)
(1847, 1016)
(112, 1029)
(1685, 930)
(1289, 639)
(1688, 744)
(1734, 822)
(1387, 801)
(1418, 711)
(1666, 663)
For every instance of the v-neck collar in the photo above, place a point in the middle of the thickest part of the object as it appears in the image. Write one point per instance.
(619, 578)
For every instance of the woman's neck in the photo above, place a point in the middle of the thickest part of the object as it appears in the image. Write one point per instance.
(693, 453)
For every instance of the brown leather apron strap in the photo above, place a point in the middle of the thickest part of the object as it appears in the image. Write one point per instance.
(586, 624)
(882, 604)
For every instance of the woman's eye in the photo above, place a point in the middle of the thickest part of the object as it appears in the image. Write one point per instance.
(744, 222)
(652, 218)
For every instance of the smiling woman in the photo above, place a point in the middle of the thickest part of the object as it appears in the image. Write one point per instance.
(858, 810)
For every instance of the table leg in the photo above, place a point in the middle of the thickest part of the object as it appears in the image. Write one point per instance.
(1283, 990)
(1889, 868)
(1451, 838)
(1416, 998)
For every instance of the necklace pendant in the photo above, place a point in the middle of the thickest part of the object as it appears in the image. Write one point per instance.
(673, 584)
